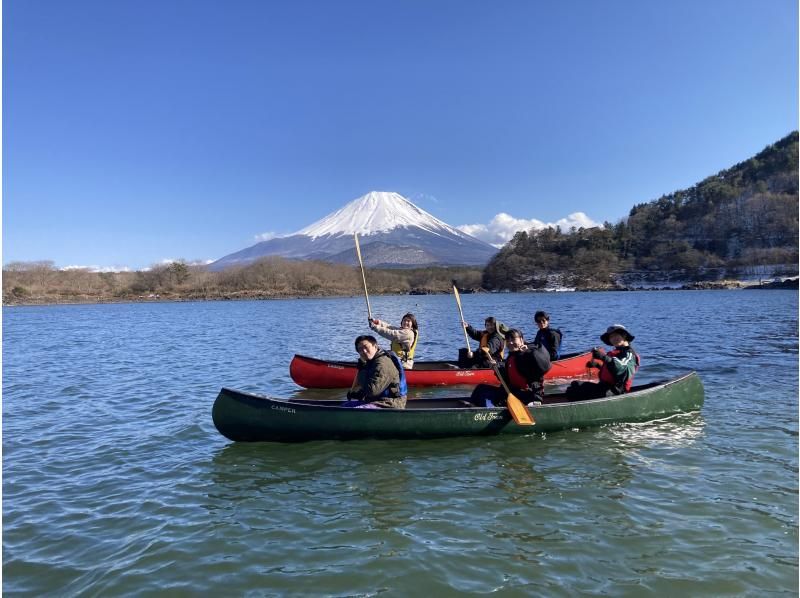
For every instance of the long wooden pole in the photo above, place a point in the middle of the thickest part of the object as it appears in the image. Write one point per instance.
(363, 277)
(461, 314)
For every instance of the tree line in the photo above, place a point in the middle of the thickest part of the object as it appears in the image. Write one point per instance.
(270, 277)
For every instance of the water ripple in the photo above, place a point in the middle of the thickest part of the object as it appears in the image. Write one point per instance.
(116, 482)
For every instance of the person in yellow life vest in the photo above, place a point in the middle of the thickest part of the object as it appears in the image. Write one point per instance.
(404, 338)
(491, 345)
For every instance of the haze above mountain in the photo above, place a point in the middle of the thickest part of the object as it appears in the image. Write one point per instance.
(392, 232)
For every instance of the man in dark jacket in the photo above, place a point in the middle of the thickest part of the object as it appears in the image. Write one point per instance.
(380, 380)
(549, 338)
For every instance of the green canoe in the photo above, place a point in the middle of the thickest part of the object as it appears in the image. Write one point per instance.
(242, 416)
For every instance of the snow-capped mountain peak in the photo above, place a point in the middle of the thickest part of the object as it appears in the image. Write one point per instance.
(376, 212)
(394, 232)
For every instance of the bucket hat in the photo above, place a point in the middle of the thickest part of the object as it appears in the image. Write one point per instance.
(616, 328)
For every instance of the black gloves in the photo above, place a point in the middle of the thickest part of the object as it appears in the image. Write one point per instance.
(355, 395)
(598, 353)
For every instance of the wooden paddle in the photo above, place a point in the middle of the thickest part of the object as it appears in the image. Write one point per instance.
(363, 277)
(519, 412)
(461, 314)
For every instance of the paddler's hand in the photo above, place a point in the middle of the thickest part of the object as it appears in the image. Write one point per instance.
(488, 356)
(598, 353)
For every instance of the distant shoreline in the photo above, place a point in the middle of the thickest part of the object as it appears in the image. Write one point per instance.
(729, 285)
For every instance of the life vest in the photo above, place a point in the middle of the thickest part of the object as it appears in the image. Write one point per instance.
(402, 353)
(396, 390)
(498, 356)
(515, 377)
(526, 369)
(607, 377)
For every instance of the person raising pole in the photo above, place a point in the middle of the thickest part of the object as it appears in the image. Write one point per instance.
(404, 338)
(491, 344)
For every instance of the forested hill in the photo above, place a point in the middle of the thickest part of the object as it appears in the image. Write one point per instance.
(733, 222)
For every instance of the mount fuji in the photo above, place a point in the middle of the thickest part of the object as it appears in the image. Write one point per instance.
(392, 231)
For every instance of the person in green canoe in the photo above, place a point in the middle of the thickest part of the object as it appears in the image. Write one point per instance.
(380, 381)
(524, 372)
(617, 367)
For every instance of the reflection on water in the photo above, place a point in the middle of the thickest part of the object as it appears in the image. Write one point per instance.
(680, 430)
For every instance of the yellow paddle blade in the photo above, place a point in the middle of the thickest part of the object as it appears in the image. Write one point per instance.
(519, 412)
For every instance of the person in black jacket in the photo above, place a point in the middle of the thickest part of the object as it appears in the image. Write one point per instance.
(491, 345)
(549, 338)
(523, 371)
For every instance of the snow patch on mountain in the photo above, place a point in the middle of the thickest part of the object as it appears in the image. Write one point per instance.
(377, 212)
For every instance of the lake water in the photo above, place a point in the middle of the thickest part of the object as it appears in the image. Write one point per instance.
(115, 480)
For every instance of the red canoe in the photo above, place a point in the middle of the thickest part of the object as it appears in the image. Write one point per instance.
(310, 372)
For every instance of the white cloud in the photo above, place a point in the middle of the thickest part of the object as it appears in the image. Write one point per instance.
(98, 268)
(502, 227)
(266, 236)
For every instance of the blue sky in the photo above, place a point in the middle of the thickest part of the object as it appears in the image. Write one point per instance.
(139, 131)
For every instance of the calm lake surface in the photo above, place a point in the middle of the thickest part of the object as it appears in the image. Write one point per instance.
(115, 480)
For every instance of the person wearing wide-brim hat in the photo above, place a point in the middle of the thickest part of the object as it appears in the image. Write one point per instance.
(606, 336)
(617, 366)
